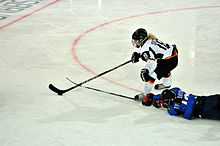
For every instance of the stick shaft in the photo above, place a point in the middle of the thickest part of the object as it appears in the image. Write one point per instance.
(99, 90)
(60, 92)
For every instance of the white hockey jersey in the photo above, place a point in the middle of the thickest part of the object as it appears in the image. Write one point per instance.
(153, 50)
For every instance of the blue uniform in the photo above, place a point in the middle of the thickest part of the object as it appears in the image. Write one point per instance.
(191, 106)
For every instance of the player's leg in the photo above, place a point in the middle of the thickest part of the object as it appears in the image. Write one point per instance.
(167, 81)
(211, 108)
(163, 70)
(149, 80)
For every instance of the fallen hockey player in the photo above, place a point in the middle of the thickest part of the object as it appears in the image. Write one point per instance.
(190, 106)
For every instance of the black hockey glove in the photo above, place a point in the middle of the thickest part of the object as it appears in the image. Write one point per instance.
(135, 57)
(157, 103)
(148, 100)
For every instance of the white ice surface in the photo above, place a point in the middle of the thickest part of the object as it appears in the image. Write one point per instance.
(37, 51)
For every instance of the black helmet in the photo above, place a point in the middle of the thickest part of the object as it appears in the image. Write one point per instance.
(139, 37)
(167, 96)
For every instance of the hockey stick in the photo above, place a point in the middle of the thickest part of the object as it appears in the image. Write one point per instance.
(98, 90)
(60, 92)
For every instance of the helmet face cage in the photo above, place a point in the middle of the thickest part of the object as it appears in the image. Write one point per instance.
(136, 43)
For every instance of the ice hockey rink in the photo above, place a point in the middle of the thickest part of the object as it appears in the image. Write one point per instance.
(45, 41)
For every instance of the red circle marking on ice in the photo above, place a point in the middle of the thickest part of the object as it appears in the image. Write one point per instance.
(117, 20)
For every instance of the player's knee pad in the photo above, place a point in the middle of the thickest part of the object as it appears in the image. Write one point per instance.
(145, 75)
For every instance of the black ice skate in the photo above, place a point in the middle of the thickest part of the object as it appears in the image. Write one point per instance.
(161, 86)
(139, 96)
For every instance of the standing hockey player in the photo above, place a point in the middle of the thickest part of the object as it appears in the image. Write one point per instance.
(161, 58)
(190, 106)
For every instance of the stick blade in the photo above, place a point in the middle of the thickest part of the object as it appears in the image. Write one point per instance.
(55, 89)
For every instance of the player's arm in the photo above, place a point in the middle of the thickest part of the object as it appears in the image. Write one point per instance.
(171, 110)
(152, 99)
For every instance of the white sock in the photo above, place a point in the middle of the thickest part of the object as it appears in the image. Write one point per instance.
(147, 87)
(167, 81)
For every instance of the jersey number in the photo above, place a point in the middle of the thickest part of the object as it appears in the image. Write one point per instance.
(160, 44)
